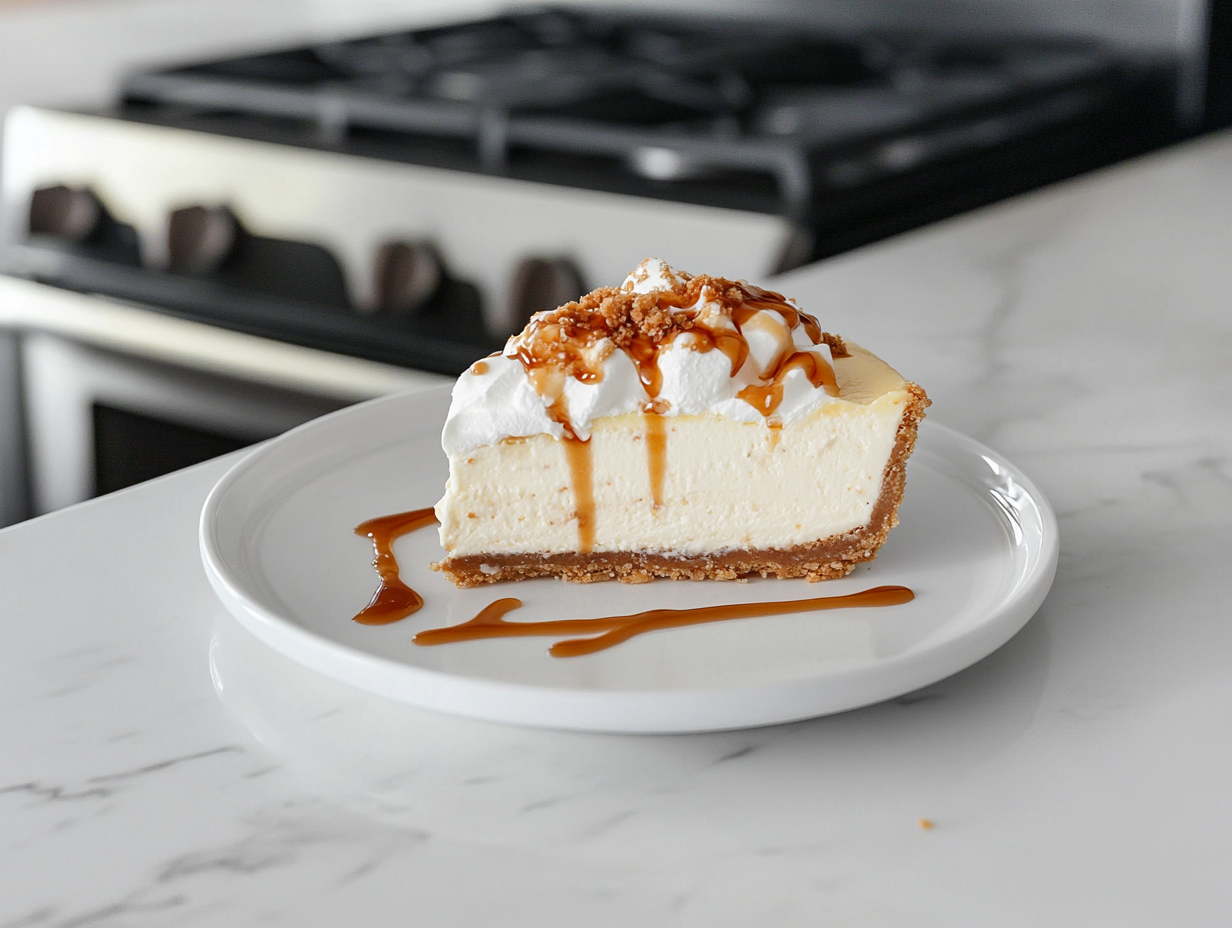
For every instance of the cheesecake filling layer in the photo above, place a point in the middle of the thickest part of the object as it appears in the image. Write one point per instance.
(726, 484)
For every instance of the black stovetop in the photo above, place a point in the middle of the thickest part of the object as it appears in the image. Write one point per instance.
(736, 113)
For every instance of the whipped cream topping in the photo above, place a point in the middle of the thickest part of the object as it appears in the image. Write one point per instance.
(654, 274)
(663, 342)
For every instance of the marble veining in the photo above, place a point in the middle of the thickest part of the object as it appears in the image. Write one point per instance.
(160, 766)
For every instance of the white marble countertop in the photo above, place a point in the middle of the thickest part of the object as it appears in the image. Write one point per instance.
(158, 766)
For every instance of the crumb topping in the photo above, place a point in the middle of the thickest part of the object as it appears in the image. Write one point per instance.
(623, 315)
(644, 315)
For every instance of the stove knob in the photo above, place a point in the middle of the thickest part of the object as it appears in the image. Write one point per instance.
(200, 238)
(408, 276)
(71, 213)
(542, 284)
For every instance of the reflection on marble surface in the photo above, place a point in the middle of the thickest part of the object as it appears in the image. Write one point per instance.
(1077, 776)
(482, 782)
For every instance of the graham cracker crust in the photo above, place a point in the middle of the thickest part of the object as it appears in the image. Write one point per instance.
(827, 559)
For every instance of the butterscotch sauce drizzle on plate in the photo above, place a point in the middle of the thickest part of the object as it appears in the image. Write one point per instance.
(393, 600)
(613, 630)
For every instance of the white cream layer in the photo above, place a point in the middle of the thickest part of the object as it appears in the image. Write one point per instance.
(498, 401)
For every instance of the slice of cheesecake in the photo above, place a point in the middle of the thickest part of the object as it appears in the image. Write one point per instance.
(676, 426)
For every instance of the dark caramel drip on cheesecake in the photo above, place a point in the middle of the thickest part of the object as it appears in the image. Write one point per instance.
(765, 398)
(549, 383)
(736, 347)
(581, 473)
(393, 600)
(656, 455)
(613, 630)
(645, 355)
(756, 299)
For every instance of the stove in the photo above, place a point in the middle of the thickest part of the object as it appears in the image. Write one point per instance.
(236, 246)
(745, 115)
(412, 198)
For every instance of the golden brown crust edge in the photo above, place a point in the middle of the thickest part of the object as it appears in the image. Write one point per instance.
(827, 559)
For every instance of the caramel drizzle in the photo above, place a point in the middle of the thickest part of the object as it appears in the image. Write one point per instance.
(393, 600)
(581, 466)
(756, 299)
(644, 353)
(613, 630)
(555, 345)
(656, 453)
(765, 398)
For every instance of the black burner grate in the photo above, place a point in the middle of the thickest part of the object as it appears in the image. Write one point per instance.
(666, 100)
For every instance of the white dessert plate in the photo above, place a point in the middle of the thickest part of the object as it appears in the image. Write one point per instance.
(977, 544)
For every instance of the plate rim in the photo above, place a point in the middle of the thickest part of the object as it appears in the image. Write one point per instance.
(673, 710)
